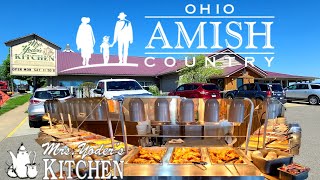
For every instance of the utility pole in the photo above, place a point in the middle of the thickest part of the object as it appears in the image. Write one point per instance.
(34, 83)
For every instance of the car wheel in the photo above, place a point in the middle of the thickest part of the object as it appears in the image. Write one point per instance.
(31, 124)
(229, 97)
(313, 100)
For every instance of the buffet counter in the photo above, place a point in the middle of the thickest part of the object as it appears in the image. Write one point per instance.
(167, 168)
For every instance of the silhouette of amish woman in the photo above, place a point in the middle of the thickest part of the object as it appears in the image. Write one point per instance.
(85, 40)
(123, 35)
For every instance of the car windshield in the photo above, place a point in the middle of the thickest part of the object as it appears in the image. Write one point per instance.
(51, 94)
(123, 86)
(210, 87)
(275, 87)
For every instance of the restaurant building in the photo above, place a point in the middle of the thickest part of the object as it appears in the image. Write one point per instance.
(166, 78)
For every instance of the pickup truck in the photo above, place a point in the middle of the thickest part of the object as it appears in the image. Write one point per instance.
(258, 91)
(4, 86)
(110, 88)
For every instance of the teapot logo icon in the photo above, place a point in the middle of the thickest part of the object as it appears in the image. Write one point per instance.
(21, 166)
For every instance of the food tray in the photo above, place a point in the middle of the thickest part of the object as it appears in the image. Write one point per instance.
(92, 137)
(72, 139)
(287, 176)
(136, 154)
(225, 148)
(270, 166)
(199, 149)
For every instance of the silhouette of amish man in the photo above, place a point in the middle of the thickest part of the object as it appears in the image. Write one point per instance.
(85, 40)
(123, 35)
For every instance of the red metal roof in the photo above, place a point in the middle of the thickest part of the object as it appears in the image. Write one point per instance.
(67, 61)
(286, 76)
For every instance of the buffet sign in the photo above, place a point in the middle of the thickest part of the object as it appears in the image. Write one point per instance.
(80, 154)
(32, 55)
(102, 168)
(33, 58)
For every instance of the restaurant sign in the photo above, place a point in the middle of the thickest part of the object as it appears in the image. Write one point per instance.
(33, 58)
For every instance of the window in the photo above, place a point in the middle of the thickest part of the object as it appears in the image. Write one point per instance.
(141, 83)
(51, 94)
(276, 87)
(100, 85)
(292, 87)
(180, 88)
(315, 86)
(70, 83)
(241, 88)
(239, 82)
(302, 86)
(123, 85)
(250, 87)
(195, 87)
(188, 87)
(210, 87)
(148, 83)
(263, 87)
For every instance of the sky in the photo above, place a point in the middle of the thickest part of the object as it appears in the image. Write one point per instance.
(294, 32)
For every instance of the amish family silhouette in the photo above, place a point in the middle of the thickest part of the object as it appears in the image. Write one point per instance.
(123, 35)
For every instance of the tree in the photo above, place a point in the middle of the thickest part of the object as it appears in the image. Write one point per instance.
(199, 72)
(154, 90)
(5, 69)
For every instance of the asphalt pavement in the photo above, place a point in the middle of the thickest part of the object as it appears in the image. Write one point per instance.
(307, 116)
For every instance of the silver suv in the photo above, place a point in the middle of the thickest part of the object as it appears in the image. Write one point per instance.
(304, 91)
(36, 103)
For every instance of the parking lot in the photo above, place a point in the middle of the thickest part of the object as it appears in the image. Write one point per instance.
(306, 115)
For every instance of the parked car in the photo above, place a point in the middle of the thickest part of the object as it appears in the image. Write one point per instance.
(309, 92)
(36, 103)
(258, 91)
(23, 88)
(110, 88)
(4, 86)
(197, 90)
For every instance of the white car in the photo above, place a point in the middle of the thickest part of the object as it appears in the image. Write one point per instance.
(304, 92)
(110, 88)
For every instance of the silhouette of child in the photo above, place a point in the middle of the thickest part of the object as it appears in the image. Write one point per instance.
(104, 49)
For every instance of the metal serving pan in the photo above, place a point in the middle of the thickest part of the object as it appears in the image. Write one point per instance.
(136, 154)
(226, 148)
(201, 158)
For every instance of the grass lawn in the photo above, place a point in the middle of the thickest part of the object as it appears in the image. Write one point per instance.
(14, 102)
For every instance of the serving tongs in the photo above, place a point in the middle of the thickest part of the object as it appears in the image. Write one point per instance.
(230, 160)
(200, 164)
